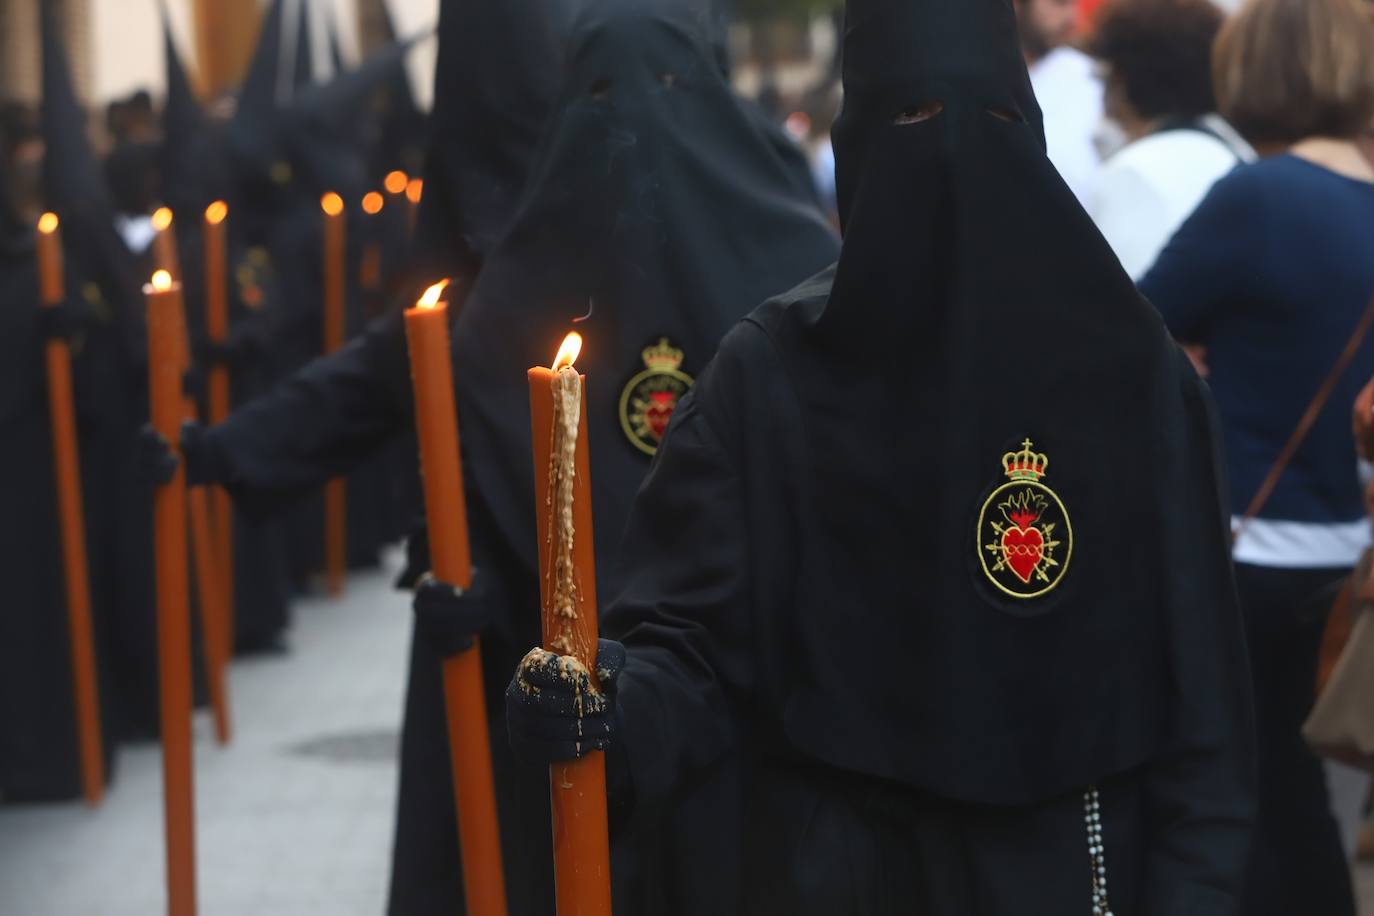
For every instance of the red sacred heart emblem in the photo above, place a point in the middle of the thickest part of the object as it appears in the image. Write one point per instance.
(1023, 548)
(659, 411)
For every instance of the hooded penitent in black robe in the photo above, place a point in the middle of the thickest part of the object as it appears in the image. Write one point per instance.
(193, 176)
(659, 208)
(937, 549)
(103, 288)
(39, 757)
(284, 154)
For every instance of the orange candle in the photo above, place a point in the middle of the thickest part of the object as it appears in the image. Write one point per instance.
(67, 474)
(209, 588)
(370, 262)
(415, 189)
(165, 243)
(217, 327)
(335, 494)
(567, 585)
(166, 334)
(436, 422)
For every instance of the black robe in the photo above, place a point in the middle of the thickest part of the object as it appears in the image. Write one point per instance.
(721, 548)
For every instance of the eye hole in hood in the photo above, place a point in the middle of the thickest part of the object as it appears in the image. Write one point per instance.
(918, 114)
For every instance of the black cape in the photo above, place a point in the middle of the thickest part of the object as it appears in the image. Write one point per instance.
(851, 566)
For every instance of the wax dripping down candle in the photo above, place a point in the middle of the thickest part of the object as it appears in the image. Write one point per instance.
(567, 407)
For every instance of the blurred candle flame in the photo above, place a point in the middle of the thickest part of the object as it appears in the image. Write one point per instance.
(216, 212)
(431, 297)
(568, 351)
(162, 281)
(372, 203)
(414, 189)
(332, 204)
(162, 218)
(395, 182)
(47, 223)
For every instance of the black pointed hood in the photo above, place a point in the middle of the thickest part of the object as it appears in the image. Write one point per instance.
(258, 92)
(655, 204)
(400, 138)
(325, 125)
(303, 57)
(336, 58)
(74, 188)
(1010, 466)
(254, 152)
(483, 130)
(188, 156)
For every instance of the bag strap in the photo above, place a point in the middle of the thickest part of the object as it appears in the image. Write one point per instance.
(1309, 419)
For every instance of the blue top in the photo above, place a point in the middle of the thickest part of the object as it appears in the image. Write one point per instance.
(1271, 274)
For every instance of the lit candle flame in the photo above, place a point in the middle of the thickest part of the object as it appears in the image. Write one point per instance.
(47, 223)
(414, 189)
(395, 182)
(162, 281)
(216, 212)
(372, 203)
(567, 353)
(431, 297)
(332, 204)
(162, 218)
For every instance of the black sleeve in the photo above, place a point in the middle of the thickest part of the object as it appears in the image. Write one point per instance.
(1200, 796)
(324, 420)
(683, 612)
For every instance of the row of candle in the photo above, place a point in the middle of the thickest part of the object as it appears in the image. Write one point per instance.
(558, 426)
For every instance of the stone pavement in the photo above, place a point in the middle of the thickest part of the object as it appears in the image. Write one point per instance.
(294, 818)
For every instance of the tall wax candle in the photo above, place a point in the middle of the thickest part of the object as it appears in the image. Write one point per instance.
(165, 243)
(335, 492)
(166, 329)
(442, 473)
(567, 563)
(218, 396)
(71, 516)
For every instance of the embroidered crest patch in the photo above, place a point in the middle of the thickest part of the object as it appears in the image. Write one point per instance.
(649, 399)
(1025, 539)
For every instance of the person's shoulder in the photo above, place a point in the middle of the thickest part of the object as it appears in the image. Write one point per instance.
(751, 349)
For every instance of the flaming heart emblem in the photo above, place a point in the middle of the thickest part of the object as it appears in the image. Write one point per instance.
(1019, 529)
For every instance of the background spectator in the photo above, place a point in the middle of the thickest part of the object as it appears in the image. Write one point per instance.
(1271, 274)
(1155, 57)
(1069, 93)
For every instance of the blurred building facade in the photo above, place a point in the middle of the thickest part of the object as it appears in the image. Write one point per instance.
(115, 46)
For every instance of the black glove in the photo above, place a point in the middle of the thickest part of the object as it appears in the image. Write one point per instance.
(552, 712)
(158, 463)
(448, 618)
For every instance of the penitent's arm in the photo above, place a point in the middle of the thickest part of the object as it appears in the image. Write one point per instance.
(684, 612)
(321, 422)
(1200, 795)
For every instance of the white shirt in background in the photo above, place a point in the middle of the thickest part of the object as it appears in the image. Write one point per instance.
(1145, 191)
(1070, 95)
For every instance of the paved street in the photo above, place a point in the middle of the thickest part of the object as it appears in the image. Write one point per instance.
(294, 818)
